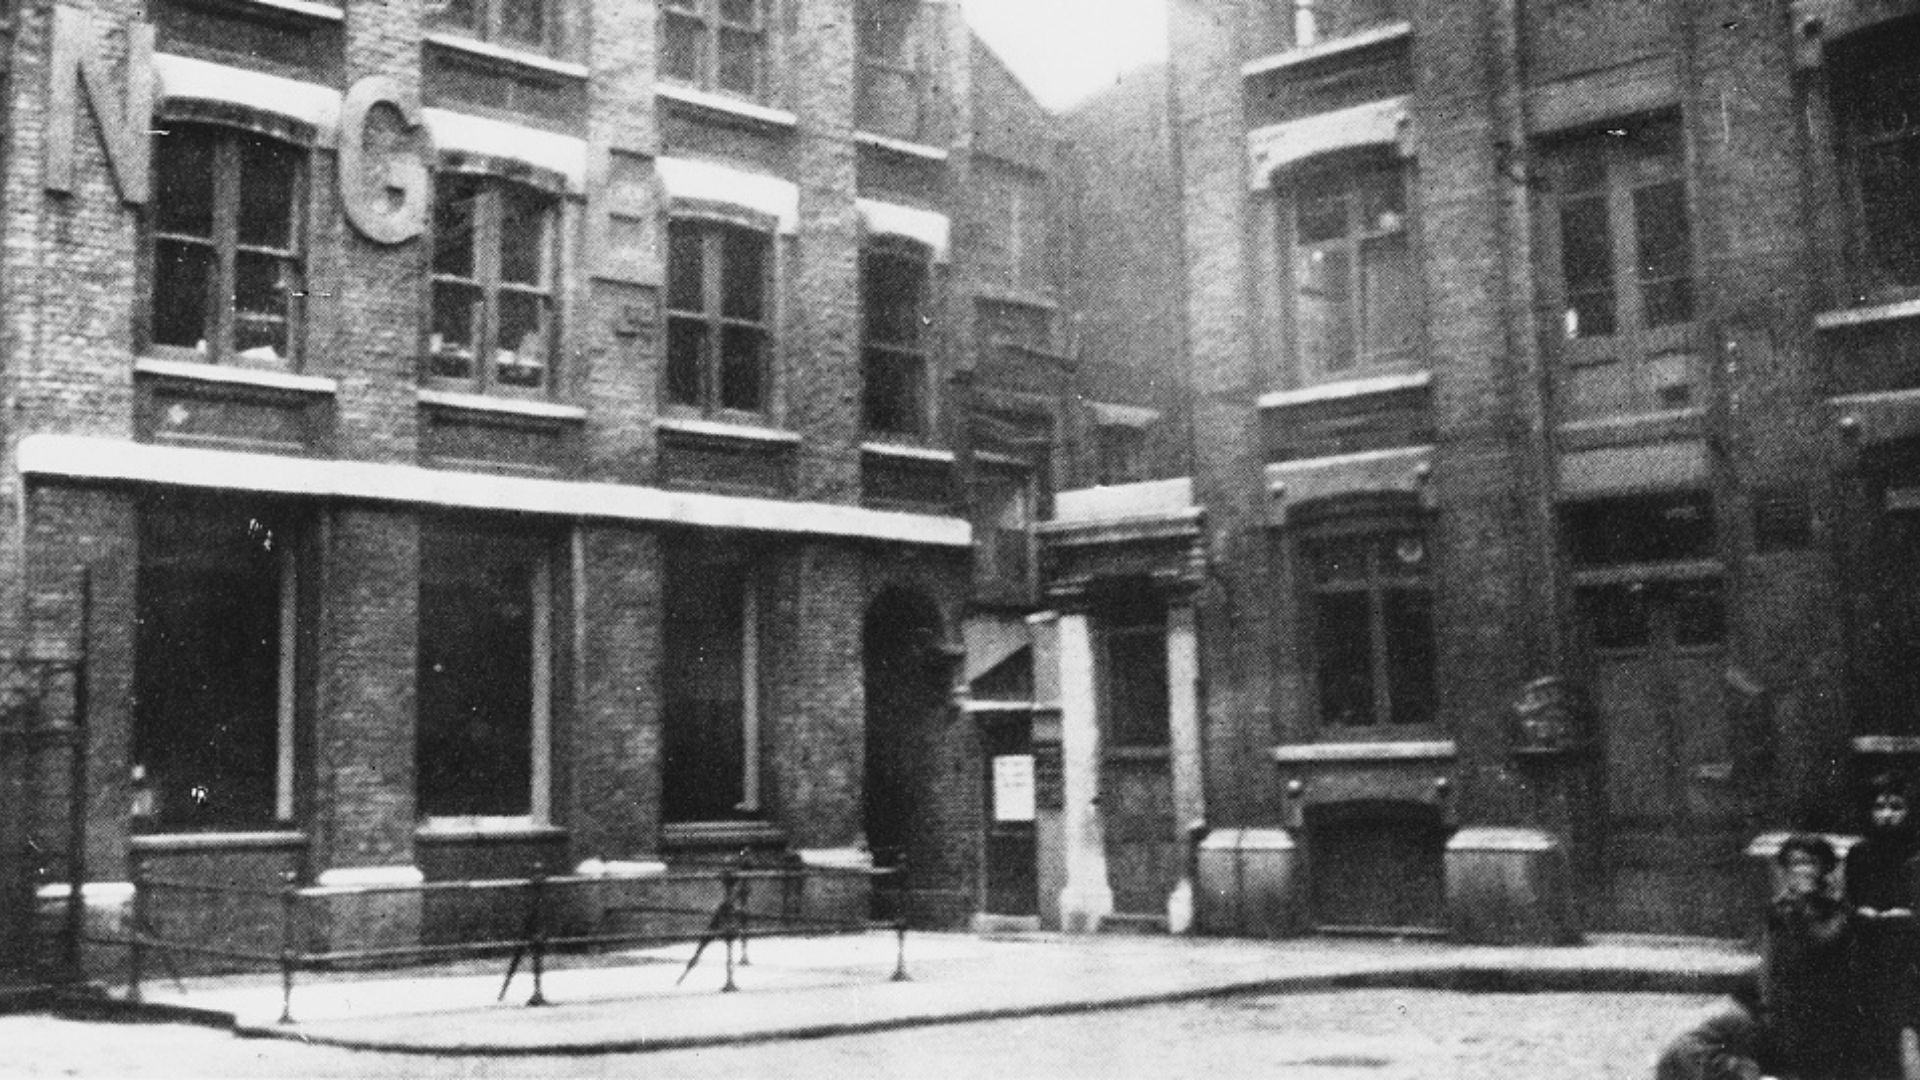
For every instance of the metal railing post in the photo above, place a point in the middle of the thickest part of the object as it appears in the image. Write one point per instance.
(536, 921)
(289, 914)
(900, 951)
(728, 883)
(136, 950)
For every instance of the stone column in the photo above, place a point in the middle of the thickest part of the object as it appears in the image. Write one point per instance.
(1087, 898)
(1187, 754)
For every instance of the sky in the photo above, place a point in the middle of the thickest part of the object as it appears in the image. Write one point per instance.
(1067, 50)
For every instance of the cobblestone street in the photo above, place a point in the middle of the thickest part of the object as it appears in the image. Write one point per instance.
(1386, 1034)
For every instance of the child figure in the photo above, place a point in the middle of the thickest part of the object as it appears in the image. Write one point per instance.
(1806, 988)
(1879, 891)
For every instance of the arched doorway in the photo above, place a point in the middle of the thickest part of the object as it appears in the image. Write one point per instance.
(906, 688)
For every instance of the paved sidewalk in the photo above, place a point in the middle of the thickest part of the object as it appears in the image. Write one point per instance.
(825, 986)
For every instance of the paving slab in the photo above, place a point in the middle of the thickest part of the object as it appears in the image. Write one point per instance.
(809, 988)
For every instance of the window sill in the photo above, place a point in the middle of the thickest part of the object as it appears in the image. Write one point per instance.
(230, 375)
(1138, 753)
(1845, 318)
(730, 834)
(720, 429)
(1385, 750)
(484, 828)
(763, 115)
(304, 9)
(903, 147)
(520, 58)
(503, 406)
(157, 843)
(908, 452)
(1346, 389)
(1307, 54)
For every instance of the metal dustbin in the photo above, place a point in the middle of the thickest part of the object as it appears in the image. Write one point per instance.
(1248, 883)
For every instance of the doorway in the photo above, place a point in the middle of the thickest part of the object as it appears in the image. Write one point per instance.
(906, 692)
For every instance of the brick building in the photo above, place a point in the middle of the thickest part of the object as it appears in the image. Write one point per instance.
(1546, 509)
(464, 438)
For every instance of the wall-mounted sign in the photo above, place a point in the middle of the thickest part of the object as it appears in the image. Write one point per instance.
(1013, 787)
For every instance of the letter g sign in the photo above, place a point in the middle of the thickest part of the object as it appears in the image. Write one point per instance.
(383, 172)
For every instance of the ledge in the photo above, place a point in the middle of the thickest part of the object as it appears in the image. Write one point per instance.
(347, 878)
(516, 57)
(1842, 318)
(1885, 744)
(902, 147)
(229, 375)
(765, 115)
(216, 841)
(78, 458)
(482, 828)
(1407, 750)
(980, 705)
(1323, 50)
(1345, 389)
(484, 403)
(720, 429)
(913, 453)
(305, 9)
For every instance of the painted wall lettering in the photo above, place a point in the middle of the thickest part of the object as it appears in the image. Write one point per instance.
(77, 42)
(383, 168)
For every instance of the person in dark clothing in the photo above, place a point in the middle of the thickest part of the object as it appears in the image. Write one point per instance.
(1806, 984)
(1726, 1043)
(1879, 893)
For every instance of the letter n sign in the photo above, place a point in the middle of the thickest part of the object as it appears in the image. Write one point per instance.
(123, 124)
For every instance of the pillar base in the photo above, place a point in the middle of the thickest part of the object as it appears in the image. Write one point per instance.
(1083, 908)
(1510, 886)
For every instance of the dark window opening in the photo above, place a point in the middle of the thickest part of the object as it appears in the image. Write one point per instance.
(1640, 529)
(1370, 610)
(1354, 289)
(210, 721)
(492, 321)
(717, 316)
(1133, 637)
(895, 398)
(1877, 98)
(227, 272)
(715, 45)
(482, 598)
(708, 685)
(526, 24)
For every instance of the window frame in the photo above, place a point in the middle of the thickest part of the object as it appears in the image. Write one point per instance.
(1624, 174)
(713, 229)
(1375, 586)
(875, 70)
(708, 20)
(1869, 53)
(491, 196)
(220, 313)
(1652, 577)
(916, 353)
(1350, 173)
(1138, 619)
(488, 27)
(687, 557)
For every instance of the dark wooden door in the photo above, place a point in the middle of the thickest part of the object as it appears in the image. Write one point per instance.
(1012, 868)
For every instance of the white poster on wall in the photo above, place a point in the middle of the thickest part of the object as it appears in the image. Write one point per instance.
(1013, 787)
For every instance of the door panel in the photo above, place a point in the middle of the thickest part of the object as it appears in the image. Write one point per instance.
(1012, 853)
(1143, 855)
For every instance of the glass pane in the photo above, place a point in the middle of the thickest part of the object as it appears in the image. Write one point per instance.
(1586, 264)
(183, 174)
(740, 368)
(474, 728)
(1383, 201)
(1699, 618)
(520, 348)
(1322, 211)
(1388, 308)
(1889, 181)
(740, 12)
(1666, 253)
(524, 22)
(892, 396)
(1324, 312)
(1410, 655)
(456, 313)
(704, 642)
(686, 259)
(269, 174)
(1343, 559)
(463, 14)
(523, 236)
(681, 45)
(182, 277)
(1614, 616)
(739, 62)
(1136, 672)
(454, 210)
(884, 27)
(1582, 168)
(1641, 529)
(263, 286)
(744, 259)
(686, 357)
(1343, 651)
(893, 302)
